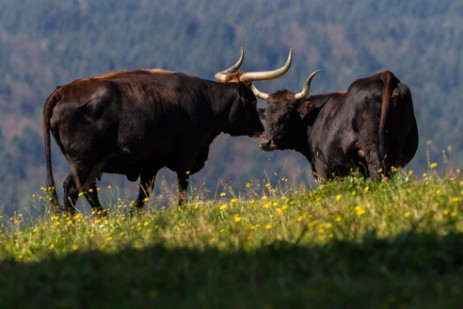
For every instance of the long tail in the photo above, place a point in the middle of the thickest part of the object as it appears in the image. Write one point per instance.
(50, 103)
(387, 77)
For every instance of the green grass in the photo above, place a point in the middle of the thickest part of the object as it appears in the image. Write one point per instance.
(344, 244)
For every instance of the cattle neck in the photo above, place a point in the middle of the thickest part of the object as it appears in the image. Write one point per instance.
(308, 125)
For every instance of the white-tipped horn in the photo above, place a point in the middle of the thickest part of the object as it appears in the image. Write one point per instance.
(306, 89)
(266, 75)
(259, 94)
(221, 76)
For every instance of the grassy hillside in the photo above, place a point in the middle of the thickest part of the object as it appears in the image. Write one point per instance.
(396, 243)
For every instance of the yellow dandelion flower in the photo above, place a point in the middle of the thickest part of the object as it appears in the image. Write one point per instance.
(248, 185)
(80, 194)
(233, 201)
(237, 218)
(338, 219)
(407, 214)
(410, 173)
(360, 210)
(223, 207)
(268, 226)
(367, 189)
(223, 194)
(433, 165)
(338, 197)
(51, 246)
(266, 206)
(146, 199)
(455, 199)
(109, 238)
(109, 187)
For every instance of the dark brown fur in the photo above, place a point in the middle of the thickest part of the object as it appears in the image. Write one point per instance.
(371, 127)
(136, 122)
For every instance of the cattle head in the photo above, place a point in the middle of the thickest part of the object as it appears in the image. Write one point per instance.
(284, 117)
(243, 117)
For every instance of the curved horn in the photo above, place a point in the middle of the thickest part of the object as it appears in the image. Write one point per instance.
(265, 75)
(306, 89)
(221, 76)
(259, 94)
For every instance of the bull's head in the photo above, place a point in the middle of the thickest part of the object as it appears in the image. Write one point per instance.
(284, 116)
(243, 118)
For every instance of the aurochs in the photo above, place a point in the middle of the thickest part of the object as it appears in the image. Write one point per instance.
(370, 127)
(136, 122)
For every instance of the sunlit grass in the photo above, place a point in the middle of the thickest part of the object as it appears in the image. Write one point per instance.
(332, 220)
(341, 210)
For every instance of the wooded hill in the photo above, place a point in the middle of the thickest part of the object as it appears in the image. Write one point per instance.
(45, 43)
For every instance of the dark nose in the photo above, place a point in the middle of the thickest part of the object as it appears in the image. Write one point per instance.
(265, 143)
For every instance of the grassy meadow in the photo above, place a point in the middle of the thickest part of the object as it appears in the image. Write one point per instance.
(397, 243)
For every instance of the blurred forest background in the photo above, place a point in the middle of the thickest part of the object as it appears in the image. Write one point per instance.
(45, 43)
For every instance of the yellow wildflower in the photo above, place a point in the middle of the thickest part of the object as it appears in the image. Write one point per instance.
(360, 210)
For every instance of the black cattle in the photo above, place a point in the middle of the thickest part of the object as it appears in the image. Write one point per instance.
(136, 122)
(370, 127)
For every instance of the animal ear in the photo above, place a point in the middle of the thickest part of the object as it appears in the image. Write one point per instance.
(261, 112)
(304, 108)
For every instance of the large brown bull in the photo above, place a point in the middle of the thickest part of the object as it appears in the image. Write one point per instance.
(370, 127)
(136, 122)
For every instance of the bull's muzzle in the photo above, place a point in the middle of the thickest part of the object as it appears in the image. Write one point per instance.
(267, 144)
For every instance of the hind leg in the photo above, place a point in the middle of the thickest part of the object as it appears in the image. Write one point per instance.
(92, 197)
(72, 185)
(71, 194)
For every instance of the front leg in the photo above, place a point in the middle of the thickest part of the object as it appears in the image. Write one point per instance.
(373, 163)
(182, 181)
(145, 188)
